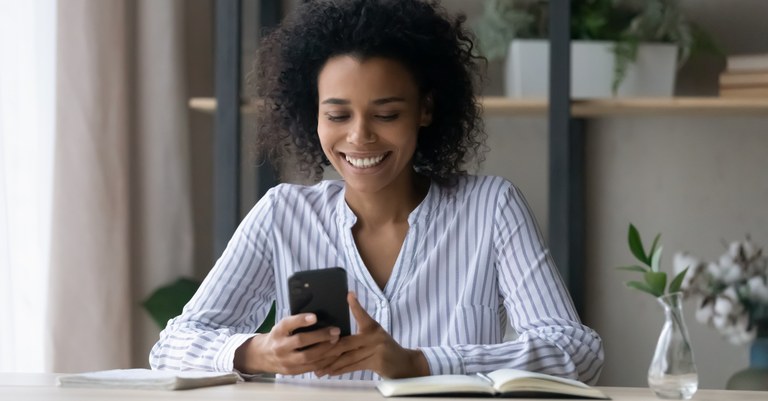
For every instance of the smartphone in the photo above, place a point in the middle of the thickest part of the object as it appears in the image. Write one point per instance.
(324, 293)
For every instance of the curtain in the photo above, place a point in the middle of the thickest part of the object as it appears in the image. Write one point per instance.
(121, 217)
(27, 43)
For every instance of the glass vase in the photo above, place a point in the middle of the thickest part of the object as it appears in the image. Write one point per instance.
(672, 374)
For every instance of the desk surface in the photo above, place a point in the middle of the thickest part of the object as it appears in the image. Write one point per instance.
(23, 386)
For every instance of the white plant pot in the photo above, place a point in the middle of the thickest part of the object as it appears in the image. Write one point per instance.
(592, 66)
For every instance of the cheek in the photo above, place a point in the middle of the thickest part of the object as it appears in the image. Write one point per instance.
(325, 137)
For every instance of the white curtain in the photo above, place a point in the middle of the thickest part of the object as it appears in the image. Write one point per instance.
(27, 44)
(94, 179)
(121, 217)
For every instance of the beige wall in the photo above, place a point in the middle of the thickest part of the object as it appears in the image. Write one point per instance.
(697, 180)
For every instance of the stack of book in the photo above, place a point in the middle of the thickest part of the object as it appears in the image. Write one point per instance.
(745, 76)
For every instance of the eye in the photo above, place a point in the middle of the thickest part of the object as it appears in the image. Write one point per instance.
(336, 117)
(387, 117)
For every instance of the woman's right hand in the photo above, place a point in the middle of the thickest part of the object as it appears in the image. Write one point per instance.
(281, 352)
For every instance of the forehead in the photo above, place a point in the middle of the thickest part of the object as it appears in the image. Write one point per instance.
(346, 75)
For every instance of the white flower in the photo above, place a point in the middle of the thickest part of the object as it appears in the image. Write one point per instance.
(730, 290)
(734, 250)
(738, 334)
(723, 306)
(683, 260)
(749, 249)
(758, 290)
(733, 296)
(704, 313)
(720, 321)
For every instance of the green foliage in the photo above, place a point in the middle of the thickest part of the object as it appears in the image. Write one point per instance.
(626, 22)
(654, 279)
(168, 301)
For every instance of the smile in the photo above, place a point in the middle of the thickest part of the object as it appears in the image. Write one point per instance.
(366, 162)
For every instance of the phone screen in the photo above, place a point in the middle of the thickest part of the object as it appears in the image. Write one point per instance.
(324, 293)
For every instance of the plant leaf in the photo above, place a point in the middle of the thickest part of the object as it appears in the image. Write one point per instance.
(168, 301)
(674, 286)
(638, 285)
(634, 268)
(655, 259)
(269, 321)
(654, 244)
(636, 245)
(657, 281)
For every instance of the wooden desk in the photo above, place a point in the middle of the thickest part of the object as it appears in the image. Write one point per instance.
(22, 387)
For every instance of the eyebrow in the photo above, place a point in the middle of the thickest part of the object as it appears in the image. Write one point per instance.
(381, 101)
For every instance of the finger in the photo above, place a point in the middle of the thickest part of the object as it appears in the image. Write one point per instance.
(297, 369)
(290, 323)
(310, 338)
(349, 343)
(316, 357)
(364, 320)
(350, 362)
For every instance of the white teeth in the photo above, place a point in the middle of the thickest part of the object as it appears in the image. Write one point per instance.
(366, 162)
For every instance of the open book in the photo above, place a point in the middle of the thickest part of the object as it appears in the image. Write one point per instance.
(499, 383)
(148, 379)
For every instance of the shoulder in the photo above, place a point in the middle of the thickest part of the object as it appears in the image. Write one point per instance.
(325, 188)
(297, 198)
(487, 187)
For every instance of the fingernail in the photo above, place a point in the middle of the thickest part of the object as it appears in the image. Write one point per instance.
(335, 331)
(310, 318)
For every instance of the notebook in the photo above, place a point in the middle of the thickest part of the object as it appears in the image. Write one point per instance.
(148, 379)
(499, 383)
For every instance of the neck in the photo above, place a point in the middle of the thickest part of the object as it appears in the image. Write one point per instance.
(391, 205)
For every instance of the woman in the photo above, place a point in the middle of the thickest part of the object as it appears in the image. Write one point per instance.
(437, 260)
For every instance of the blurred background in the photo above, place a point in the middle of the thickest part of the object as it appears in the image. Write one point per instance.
(107, 188)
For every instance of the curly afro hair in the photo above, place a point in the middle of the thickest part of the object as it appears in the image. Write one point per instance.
(435, 48)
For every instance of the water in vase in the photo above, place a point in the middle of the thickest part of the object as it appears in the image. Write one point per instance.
(674, 387)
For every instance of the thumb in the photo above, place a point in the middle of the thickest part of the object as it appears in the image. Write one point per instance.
(364, 320)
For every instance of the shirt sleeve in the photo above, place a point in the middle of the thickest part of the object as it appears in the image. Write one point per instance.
(231, 303)
(551, 338)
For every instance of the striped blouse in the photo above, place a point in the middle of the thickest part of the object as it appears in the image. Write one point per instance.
(473, 259)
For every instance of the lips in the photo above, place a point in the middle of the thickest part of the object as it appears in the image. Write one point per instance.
(365, 162)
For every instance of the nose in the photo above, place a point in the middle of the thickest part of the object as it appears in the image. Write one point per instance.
(360, 134)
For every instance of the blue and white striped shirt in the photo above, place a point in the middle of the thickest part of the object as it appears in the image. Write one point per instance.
(473, 257)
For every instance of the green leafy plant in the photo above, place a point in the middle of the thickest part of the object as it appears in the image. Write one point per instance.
(625, 22)
(654, 279)
(168, 301)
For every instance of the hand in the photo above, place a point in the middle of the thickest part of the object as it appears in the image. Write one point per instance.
(281, 352)
(372, 348)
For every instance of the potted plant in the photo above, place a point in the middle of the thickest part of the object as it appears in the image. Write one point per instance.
(619, 48)
(168, 301)
(672, 373)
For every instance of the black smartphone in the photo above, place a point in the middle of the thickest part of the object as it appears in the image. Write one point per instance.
(324, 293)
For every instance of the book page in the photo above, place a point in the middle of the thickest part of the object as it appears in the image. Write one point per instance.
(503, 376)
(514, 381)
(441, 384)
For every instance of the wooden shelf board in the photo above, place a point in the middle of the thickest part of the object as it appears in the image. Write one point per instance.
(502, 106)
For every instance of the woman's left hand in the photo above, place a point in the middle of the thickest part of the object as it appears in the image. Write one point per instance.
(372, 348)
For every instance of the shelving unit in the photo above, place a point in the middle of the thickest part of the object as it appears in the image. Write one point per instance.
(567, 127)
(504, 106)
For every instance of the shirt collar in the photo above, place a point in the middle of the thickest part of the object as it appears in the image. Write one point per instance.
(346, 218)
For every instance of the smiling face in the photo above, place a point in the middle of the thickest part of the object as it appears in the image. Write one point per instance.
(369, 116)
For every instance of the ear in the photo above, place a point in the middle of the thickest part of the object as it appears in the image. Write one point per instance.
(427, 106)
